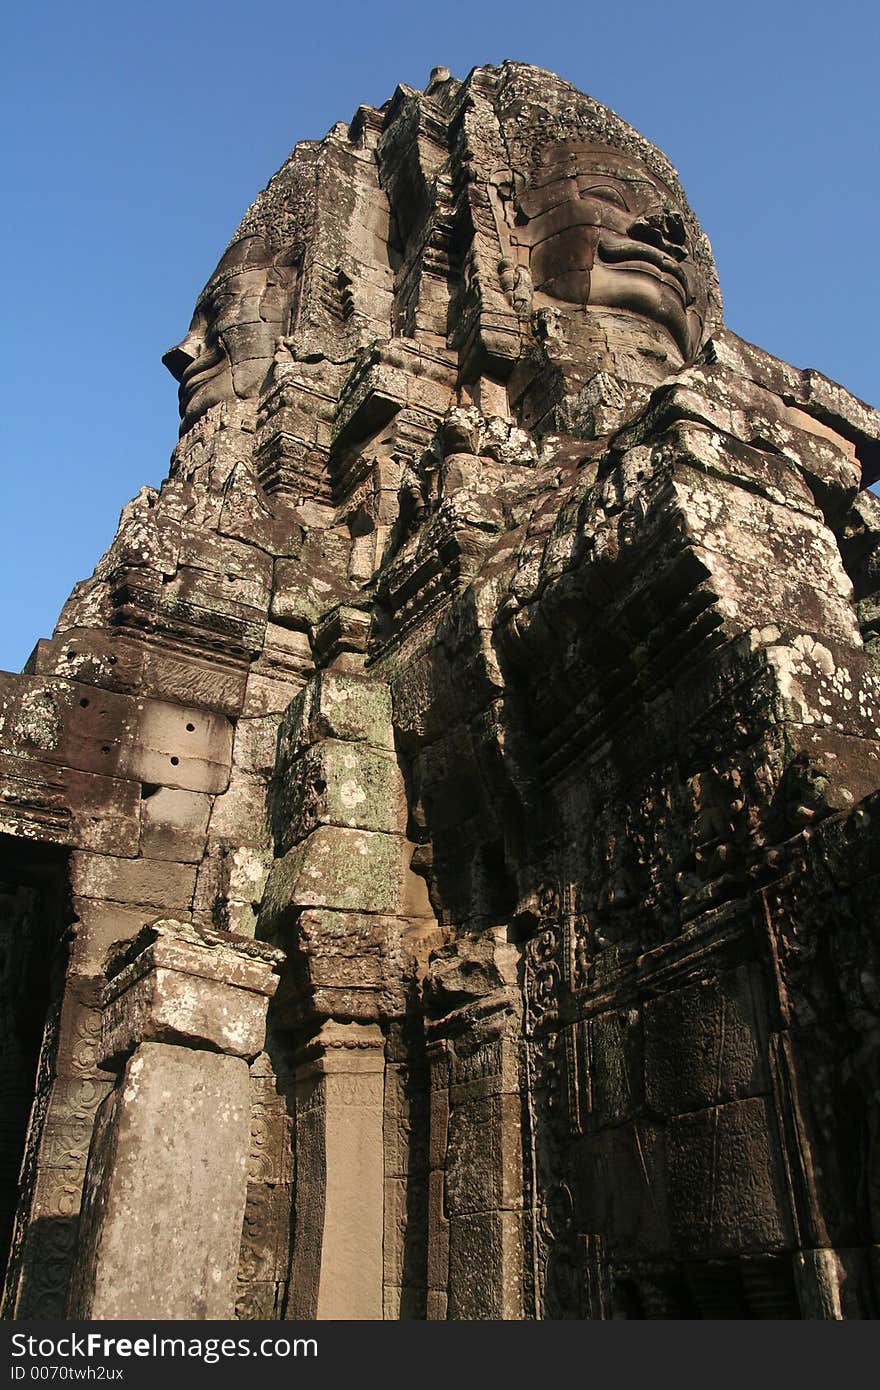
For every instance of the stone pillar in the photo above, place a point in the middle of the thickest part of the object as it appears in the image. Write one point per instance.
(165, 1185)
(476, 1238)
(337, 1264)
(484, 1180)
(343, 900)
(438, 1221)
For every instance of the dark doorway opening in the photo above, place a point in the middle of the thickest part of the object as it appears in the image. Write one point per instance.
(34, 914)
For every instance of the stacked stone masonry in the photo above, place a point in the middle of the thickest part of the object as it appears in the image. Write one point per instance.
(439, 857)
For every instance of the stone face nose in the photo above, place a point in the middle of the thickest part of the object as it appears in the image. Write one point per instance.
(674, 230)
(664, 230)
(179, 357)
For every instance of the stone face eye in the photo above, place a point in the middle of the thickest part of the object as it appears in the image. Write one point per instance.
(606, 194)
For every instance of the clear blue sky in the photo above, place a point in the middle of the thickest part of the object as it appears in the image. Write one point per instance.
(139, 133)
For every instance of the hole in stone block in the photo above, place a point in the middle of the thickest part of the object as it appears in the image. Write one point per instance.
(84, 704)
(174, 762)
(190, 728)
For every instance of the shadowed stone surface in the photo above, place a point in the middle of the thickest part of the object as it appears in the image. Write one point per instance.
(495, 674)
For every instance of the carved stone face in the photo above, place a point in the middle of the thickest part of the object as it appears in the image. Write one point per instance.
(603, 231)
(241, 313)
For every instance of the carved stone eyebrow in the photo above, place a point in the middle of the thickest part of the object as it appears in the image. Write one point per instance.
(607, 191)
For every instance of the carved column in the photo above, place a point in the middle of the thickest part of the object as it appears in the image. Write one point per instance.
(343, 901)
(165, 1186)
(337, 1266)
(476, 1236)
(438, 1222)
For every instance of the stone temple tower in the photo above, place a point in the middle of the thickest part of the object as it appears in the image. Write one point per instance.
(439, 863)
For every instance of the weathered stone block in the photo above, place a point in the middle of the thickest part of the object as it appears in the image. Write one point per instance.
(622, 1188)
(206, 684)
(300, 596)
(180, 746)
(239, 814)
(189, 987)
(241, 571)
(345, 784)
(438, 1127)
(338, 868)
(165, 1191)
(615, 1065)
(265, 1232)
(105, 813)
(268, 694)
(245, 868)
(174, 823)
(63, 722)
(151, 882)
(99, 927)
(338, 705)
(351, 949)
(256, 743)
(239, 918)
(724, 1182)
(702, 1045)
(485, 1266)
(484, 1156)
(91, 657)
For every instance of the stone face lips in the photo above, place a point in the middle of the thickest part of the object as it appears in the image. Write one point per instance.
(444, 825)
